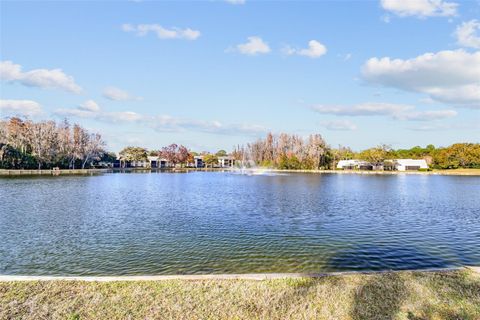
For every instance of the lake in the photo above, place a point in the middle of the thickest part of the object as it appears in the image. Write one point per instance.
(219, 222)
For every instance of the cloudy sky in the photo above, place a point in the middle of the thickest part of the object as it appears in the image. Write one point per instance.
(215, 74)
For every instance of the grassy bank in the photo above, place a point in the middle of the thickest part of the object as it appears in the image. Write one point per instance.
(401, 295)
(461, 171)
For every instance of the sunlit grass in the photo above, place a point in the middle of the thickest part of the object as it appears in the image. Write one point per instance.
(460, 170)
(404, 295)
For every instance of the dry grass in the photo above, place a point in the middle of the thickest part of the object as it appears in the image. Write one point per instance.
(403, 295)
(464, 171)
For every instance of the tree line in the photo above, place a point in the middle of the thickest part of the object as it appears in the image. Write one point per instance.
(287, 151)
(25, 144)
(290, 151)
(175, 154)
(457, 155)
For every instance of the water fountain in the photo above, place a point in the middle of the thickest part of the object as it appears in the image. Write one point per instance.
(248, 167)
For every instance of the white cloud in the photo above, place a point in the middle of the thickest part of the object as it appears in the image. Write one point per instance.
(91, 110)
(315, 50)
(161, 32)
(446, 76)
(88, 109)
(254, 45)
(25, 108)
(340, 125)
(89, 105)
(42, 78)
(420, 8)
(169, 124)
(468, 34)
(162, 123)
(235, 1)
(124, 116)
(395, 111)
(117, 94)
(446, 126)
(78, 113)
(385, 18)
(426, 115)
(364, 109)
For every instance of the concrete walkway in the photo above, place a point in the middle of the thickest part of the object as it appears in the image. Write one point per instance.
(248, 276)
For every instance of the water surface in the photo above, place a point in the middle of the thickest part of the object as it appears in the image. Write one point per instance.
(190, 223)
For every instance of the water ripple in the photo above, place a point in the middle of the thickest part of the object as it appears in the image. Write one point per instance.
(122, 224)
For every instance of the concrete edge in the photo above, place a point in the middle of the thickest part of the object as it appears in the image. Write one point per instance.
(196, 277)
(476, 269)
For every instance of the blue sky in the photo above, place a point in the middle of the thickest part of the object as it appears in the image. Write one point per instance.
(214, 74)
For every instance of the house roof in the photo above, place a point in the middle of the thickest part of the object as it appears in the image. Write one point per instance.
(153, 158)
(408, 162)
(348, 162)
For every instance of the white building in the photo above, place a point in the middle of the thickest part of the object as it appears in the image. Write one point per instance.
(398, 164)
(198, 162)
(226, 162)
(410, 164)
(348, 164)
(157, 162)
(136, 164)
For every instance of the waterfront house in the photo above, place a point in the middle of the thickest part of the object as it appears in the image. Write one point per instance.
(354, 164)
(410, 164)
(198, 162)
(151, 162)
(365, 165)
(348, 164)
(226, 162)
(157, 162)
(139, 164)
(397, 164)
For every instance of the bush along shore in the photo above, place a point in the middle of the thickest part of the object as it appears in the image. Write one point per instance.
(450, 294)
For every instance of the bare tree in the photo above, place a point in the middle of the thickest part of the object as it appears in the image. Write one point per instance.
(3, 132)
(47, 143)
(94, 148)
(43, 137)
(316, 150)
(79, 144)
(65, 143)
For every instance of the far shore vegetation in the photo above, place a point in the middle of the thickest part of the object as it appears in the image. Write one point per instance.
(406, 295)
(25, 144)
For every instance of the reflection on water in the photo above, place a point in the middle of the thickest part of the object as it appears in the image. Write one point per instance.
(212, 222)
(368, 257)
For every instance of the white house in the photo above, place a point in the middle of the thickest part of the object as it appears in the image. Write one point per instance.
(198, 162)
(137, 164)
(398, 164)
(157, 162)
(348, 164)
(226, 162)
(410, 164)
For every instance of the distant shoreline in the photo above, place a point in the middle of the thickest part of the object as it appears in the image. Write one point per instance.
(49, 172)
(453, 172)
